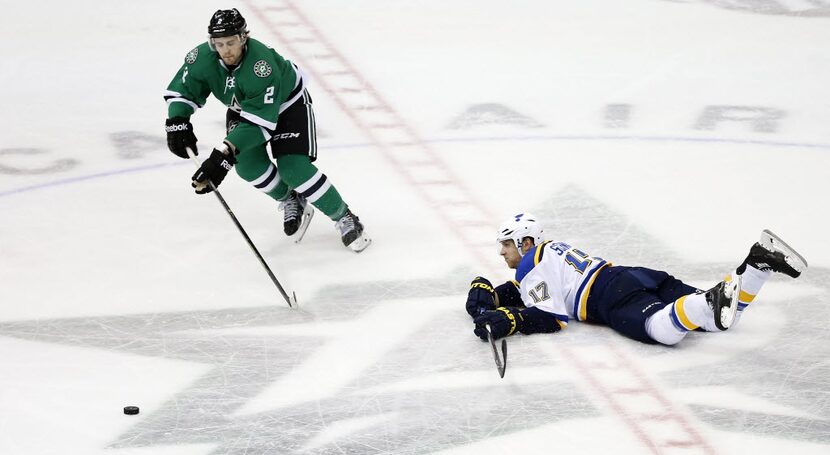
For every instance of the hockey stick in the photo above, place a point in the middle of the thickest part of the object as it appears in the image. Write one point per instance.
(292, 301)
(501, 362)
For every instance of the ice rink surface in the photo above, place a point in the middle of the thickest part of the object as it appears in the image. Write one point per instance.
(659, 133)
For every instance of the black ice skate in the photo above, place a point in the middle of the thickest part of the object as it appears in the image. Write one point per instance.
(773, 255)
(296, 216)
(723, 300)
(351, 232)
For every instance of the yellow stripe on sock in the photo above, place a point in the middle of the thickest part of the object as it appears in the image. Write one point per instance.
(745, 297)
(681, 313)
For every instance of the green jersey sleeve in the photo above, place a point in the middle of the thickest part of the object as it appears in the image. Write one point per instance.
(188, 91)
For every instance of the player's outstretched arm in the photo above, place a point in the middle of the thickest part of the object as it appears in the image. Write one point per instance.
(507, 294)
(505, 321)
(535, 320)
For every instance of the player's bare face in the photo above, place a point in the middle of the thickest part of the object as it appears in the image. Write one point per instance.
(510, 253)
(229, 49)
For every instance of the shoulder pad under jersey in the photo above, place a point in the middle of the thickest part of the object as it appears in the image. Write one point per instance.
(530, 260)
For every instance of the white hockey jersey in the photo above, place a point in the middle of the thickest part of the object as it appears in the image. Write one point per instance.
(557, 278)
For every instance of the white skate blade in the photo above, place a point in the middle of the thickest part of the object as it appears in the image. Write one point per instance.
(772, 242)
(361, 243)
(308, 214)
(727, 315)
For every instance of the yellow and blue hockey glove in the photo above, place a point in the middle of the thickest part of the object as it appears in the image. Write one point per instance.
(481, 298)
(503, 322)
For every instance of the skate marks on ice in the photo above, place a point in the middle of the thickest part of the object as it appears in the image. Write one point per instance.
(397, 419)
(790, 370)
(436, 389)
(792, 8)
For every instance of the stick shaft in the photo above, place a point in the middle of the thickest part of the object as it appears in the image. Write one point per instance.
(245, 235)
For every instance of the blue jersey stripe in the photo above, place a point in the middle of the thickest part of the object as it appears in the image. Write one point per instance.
(585, 287)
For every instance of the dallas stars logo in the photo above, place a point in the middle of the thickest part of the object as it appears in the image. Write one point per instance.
(262, 68)
(191, 56)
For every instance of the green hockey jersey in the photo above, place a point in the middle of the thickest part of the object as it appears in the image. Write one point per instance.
(261, 86)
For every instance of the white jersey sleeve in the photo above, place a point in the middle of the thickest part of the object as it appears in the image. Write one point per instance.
(557, 278)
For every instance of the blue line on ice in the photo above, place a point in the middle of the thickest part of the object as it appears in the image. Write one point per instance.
(71, 180)
(82, 178)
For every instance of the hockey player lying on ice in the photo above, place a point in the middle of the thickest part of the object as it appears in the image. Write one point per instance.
(557, 283)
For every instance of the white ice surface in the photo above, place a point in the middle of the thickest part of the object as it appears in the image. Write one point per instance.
(118, 286)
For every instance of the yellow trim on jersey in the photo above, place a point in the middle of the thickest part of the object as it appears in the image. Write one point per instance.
(515, 283)
(562, 324)
(538, 256)
(681, 314)
(583, 300)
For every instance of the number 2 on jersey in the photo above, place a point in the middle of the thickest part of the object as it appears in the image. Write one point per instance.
(269, 96)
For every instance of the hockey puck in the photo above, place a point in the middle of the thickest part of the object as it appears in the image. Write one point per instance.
(130, 410)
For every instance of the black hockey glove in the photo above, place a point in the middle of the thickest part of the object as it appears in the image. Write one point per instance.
(180, 136)
(213, 169)
(503, 322)
(481, 297)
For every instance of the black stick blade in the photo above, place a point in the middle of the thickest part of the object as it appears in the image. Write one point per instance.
(501, 362)
(504, 357)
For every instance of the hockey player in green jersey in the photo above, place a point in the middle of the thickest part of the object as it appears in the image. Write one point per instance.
(269, 121)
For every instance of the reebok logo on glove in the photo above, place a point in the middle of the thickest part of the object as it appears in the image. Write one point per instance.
(225, 164)
(174, 128)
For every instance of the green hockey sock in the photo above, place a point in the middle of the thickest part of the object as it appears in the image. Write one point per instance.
(255, 168)
(298, 172)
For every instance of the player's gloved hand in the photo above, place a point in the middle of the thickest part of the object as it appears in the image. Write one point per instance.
(180, 136)
(503, 322)
(214, 169)
(481, 297)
